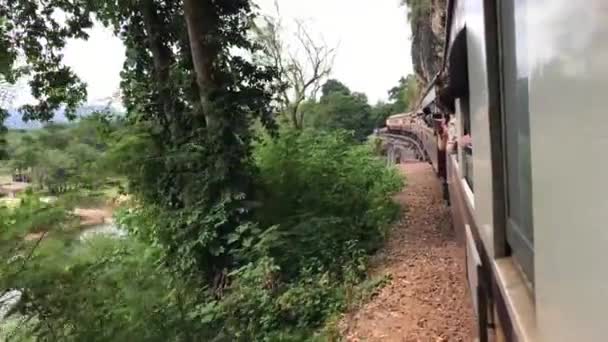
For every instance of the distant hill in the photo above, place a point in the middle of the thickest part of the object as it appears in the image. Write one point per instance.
(15, 120)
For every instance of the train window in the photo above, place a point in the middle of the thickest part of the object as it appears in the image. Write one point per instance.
(458, 88)
(516, 123)
(466, 142)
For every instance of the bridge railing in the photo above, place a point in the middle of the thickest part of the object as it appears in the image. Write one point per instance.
(427, 137)
(429, 141)
(424, 135)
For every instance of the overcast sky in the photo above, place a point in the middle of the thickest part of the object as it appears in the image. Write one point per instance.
(373, 39)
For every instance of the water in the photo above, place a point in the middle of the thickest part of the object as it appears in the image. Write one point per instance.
(8, 301)
(108, 229)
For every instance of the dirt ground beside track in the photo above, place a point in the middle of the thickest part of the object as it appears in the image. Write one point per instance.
(427, 298)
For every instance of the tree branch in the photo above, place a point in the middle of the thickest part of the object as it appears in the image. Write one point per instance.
(303, 67)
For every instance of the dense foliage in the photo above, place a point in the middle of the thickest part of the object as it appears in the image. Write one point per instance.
(99, 289)
(324, 205)
(231, 236)
(61, 158)
(340, 108)
(325, 195)
(308, 247)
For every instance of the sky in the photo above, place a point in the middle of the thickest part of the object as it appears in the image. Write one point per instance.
(373, 39)
(373, 42)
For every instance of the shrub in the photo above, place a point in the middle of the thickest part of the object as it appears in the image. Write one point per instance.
(323, 192)
(30, 216)
(104, 290)
(324, 203)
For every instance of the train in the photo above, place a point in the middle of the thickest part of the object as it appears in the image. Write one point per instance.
(515, 123)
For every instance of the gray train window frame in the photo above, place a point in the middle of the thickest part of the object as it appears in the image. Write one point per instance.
(516, 135)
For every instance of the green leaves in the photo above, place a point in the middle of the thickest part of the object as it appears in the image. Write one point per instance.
(107, 290)
(35, 31)
(60, 158)
(321, 191)
(339, 108)
(227, 241)
(3, 142)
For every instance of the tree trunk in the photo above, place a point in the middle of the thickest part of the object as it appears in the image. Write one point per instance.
(202, 20)
(162, 57)
(294, 117)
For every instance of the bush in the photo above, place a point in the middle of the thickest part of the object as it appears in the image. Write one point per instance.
(326, 195)
(104, 290)
(328, 203)
(30, 216)
(324, 203)
(82, 198)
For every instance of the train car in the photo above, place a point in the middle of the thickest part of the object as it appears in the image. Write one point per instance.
(396, 123)
(524, 90)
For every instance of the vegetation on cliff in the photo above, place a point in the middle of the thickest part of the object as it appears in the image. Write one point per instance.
(427, 21)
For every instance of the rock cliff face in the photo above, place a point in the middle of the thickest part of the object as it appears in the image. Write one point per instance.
(427, 19)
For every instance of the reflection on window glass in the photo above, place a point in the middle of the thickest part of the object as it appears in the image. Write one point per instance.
(466, 142)
(520, 234)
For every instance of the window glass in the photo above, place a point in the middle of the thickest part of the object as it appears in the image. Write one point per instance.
(466, 142)
(520, 233)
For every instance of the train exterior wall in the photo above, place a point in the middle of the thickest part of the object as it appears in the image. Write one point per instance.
(568, 71)
(565, 71)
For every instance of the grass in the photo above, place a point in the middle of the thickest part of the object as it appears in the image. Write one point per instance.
(87, 199)
(5, 175)
(11, 329)
(358, 296)
(10, 203)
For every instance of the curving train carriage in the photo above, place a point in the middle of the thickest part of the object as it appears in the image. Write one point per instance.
(515, 126)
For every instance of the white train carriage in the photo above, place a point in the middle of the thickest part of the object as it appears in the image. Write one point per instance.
(523, 85)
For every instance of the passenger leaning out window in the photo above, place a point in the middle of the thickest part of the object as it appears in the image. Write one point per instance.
(452, 132)
(467, 142)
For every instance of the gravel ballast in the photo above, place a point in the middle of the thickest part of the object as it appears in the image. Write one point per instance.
(427, 298)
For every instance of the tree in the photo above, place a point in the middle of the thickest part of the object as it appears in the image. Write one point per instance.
(346, 111)
(206, 258)
(190, 99)
(340, 109)
(402, 98)
(402, 95)
(3, 117)
(25, 156)
(412, 91)
(3, 131)
(381, 111)
(333, 86)
(302, 68)
(59, 158)
(56, 170)
(32, 31)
